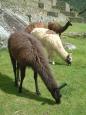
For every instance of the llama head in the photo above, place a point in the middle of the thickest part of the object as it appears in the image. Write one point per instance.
(69, 59)
(56, 95)
(69, 23)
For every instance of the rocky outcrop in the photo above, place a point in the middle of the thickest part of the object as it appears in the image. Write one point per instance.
(9, 22)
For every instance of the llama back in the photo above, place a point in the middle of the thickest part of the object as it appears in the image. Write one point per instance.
(19, 45)
(33, 25)
(23, 43)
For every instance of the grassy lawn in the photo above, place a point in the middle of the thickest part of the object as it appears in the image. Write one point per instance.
(77, 27)
(27, 103)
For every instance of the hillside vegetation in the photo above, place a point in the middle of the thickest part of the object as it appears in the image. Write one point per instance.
(77, 4)
(80, 5)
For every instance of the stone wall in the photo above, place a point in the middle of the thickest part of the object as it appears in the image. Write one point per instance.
(31, 7)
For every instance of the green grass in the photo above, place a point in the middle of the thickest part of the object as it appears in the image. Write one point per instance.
(74, 96)
(77, 27)
(27, 103)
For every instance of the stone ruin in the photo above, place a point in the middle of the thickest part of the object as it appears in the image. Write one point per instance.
(9, 22)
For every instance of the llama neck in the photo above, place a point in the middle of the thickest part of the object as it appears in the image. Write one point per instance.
(65, 27)
(48, 79)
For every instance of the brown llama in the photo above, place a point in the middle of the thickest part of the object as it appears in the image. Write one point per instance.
(26, 51)
(57, 27)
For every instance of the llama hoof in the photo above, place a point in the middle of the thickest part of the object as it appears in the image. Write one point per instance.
(20, 90)
(38, 93)
(16, 85)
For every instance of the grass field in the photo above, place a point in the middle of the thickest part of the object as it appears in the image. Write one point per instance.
(77, 27)
(27, 103)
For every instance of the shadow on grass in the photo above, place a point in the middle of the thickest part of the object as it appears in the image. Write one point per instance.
(58, 63)
(7, 85)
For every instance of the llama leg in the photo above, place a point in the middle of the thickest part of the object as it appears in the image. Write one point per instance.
(36, 83)
(18, 75)
(22, 72)
(14, 68)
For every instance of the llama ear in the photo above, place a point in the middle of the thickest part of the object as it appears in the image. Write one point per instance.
(63, 85)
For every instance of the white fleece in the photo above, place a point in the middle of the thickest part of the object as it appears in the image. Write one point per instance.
(53, 39)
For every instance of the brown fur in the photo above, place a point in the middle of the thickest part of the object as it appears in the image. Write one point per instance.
(26, 50)
(57, 27)
(33, 25)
